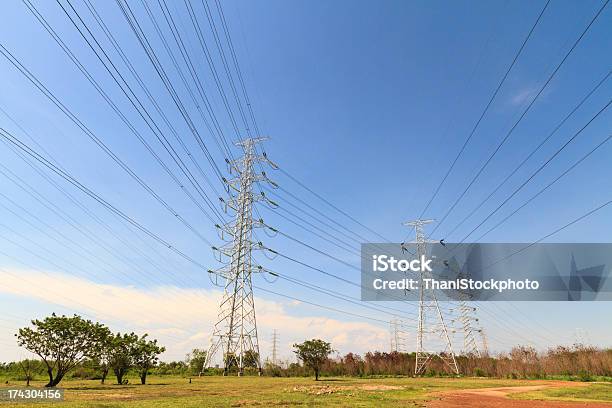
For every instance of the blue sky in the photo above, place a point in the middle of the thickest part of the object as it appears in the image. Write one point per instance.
(365, 102)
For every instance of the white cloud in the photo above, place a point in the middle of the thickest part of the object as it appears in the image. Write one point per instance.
(181, 318)
(524, 95)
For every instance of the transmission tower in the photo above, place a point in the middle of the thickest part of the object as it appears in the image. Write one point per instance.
(466, 320)
(397, 335)
(581, 336)
(235, 333)
(485, 343)
(274, 347)
(431, 323)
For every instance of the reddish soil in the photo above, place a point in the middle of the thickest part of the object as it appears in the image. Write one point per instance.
(498, 398)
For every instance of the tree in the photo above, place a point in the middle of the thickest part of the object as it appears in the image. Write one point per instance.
(103, 352)
(29, 367)
(250, 359)
(196, 360)
(61, 342)
(122, 352)
(313, 354)
(146, 356)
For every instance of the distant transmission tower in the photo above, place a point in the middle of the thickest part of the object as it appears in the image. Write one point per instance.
(466, 319)
(431, 322)
(235, 333)
(581, 336)
(274, 347)
(469, 323)
(397, 335)
(485, 343)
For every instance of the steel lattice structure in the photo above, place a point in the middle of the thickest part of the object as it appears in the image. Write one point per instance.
(235, 333)
(274, 347)
(397, 335)
(431, 321)
(465, 319)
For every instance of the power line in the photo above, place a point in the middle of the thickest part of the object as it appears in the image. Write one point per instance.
(580, 218)
(138, 106)
(143, 86)
(298, 182)
(340, 296)
(66, 176)
(253, 118)
(317, 217)
(226, 67)
(94, 138)
(88, 233)
(486, 109)
(547, 186)
(333, 309)
(83, 230)
(534, 151)
(207, 54)
(186, 59)
(535, 98)
(539, 169)
(150, 52)
(324, 272)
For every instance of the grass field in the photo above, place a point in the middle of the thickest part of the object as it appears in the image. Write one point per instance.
(268, 391)
(594, 392)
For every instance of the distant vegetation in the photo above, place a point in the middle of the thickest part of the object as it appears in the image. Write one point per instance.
(577, 362)
(71, 347)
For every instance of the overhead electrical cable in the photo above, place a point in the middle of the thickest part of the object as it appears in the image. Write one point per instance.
(69, 178)
(539, 169)
(95, 138)
(523, 114)
(530, 155)
(486, 109)
(121, 82)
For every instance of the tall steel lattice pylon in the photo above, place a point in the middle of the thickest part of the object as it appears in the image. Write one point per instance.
(430, 322)
(235, 333)
(274, 347)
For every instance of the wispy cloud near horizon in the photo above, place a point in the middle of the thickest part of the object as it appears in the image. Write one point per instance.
(181, 318)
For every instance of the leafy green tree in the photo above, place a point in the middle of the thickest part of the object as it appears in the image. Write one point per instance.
(122, 353)
(250, 359)
(29, 367)
(102, 354)
(146, 356)
(313, 354)
(196, 360)
(61, 342)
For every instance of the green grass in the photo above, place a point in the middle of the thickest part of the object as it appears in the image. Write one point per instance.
(174, 392)
(593, 392)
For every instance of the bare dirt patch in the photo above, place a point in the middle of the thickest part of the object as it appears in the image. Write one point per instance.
(331, 389)
(317, 389)
(380, 387)
(498, 398)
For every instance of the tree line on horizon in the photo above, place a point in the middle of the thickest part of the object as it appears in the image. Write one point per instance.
(89, 350)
